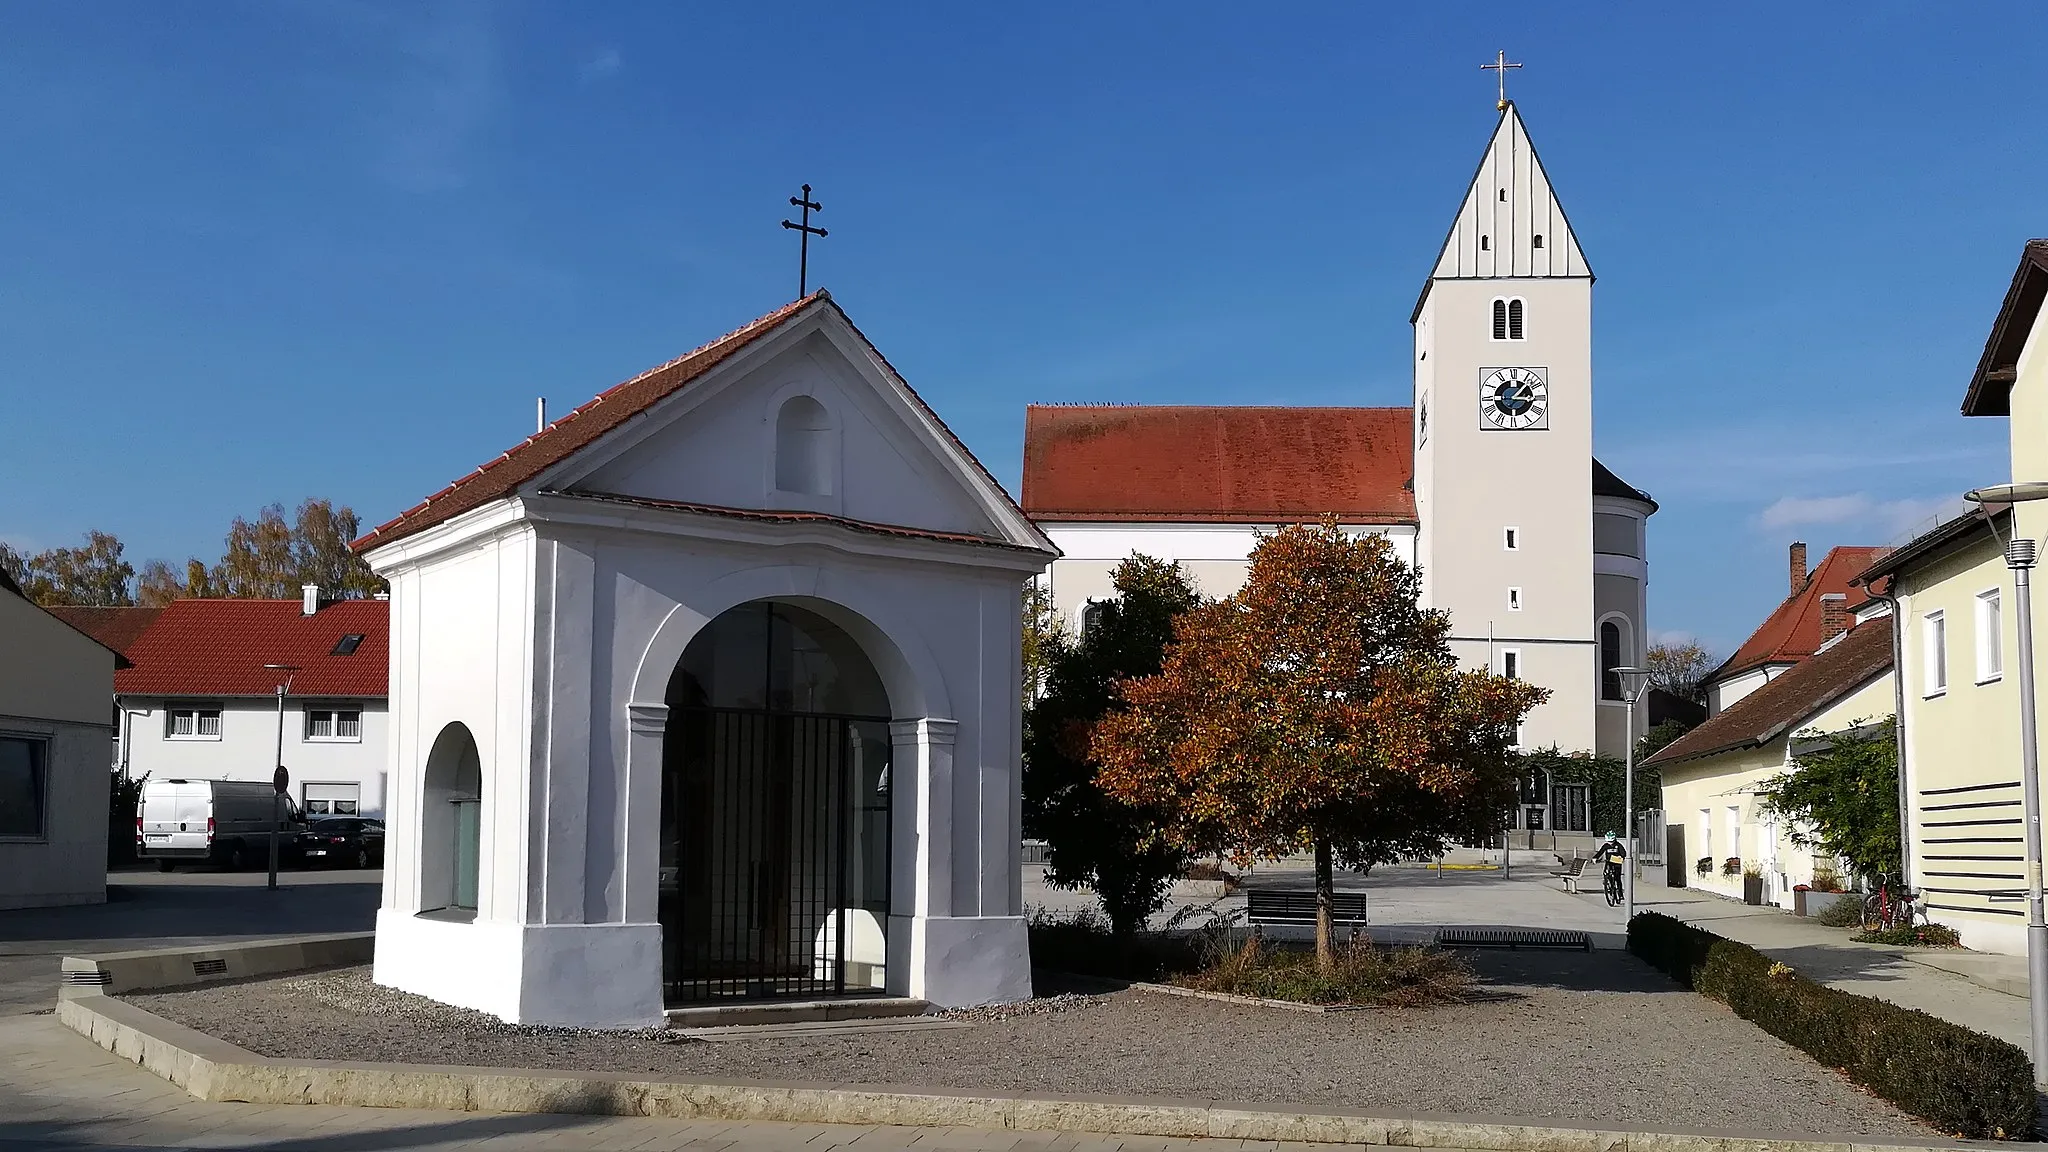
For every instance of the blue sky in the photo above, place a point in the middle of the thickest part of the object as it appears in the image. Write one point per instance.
(252, 253)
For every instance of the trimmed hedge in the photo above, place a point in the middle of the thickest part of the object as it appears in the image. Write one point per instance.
(1962, 1081)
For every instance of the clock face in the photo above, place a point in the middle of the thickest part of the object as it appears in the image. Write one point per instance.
(1514, 399)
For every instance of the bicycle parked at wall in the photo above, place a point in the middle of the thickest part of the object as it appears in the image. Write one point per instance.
(1890, 904)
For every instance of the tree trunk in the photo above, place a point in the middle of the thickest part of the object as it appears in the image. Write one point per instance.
(1326, 883)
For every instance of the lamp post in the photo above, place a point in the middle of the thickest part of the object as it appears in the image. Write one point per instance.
(1633, 682)
(279, 781)
(2020, 557)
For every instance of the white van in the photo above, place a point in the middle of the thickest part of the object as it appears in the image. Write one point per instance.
(225, 822)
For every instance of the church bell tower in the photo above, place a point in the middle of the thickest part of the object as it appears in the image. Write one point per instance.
(1504, 438)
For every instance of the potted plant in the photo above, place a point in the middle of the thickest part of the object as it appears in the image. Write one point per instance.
(1752, 885)
(1799, 892)
(1731, 867)
(1704, 866)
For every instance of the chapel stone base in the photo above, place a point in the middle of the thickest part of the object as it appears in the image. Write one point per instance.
(962, 961)
(573, 975)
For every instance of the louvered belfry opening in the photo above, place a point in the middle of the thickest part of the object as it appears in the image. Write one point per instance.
(775, 813)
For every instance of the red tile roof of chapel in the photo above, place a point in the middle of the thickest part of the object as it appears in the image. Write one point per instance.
(219, 648)
(587, 423)
(1791, 632)
(1218, 464)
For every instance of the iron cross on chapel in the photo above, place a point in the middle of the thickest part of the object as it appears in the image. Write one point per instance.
(803, 259)
(1499, 68)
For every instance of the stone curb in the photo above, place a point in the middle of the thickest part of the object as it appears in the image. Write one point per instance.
(212, 1069)
(147, 969)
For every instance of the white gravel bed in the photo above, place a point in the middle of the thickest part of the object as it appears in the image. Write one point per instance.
(1595, 1038)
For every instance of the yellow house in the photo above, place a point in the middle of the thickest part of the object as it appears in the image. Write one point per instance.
(1711, 773)
(1960, 772)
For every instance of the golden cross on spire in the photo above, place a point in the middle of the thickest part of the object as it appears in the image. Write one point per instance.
(1499, 68)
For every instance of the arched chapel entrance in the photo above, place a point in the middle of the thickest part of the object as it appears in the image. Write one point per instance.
(775, 812)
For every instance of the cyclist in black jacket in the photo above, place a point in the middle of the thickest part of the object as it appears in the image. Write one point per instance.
(1612, 854)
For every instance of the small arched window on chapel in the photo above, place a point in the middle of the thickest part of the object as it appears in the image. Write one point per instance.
(804, 448)
(1507, 318)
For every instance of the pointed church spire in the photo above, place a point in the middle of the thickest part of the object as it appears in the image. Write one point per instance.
(1511, 224)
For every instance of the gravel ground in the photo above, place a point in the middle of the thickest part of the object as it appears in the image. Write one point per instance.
(1595, 1038)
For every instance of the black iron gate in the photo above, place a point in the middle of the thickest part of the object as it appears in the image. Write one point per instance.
(776, 854)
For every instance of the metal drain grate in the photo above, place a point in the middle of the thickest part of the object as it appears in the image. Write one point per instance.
(88, 979)
(1513, 938)
(209, 967)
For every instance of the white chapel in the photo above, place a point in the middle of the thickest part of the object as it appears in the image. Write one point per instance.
(1486, 479)
(709, 690)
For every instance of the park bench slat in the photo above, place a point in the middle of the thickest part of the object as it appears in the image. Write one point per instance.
(1295, 907)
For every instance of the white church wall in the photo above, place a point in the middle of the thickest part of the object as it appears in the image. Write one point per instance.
(877, 469)
(460, 646)
(1217, 557)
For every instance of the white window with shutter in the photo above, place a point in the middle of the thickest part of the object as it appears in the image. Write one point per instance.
(1934, 657)
(334, 725)
(1990, 656)
(192, 722)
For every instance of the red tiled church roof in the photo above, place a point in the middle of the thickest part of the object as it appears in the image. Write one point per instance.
(1218, 464)
(219, 648)
(1792, 632)
(115, 628)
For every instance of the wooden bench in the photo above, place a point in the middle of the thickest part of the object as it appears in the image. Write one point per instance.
(1266, 906)
(1574, 873)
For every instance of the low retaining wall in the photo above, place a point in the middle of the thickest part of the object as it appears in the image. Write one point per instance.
(213, 1069)
(118, 972)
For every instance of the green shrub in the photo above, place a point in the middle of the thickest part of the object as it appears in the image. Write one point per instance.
(1083, 944)
(1920, 935)
(1962, 1081)
(1841, 914)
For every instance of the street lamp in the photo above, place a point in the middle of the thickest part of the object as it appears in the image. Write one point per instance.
(278, 779)
(1633, 682)
(2020, 557)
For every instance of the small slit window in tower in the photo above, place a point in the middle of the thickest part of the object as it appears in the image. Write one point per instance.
(1503, 195)
(1515, 319)
(1482, 244)
(1539, 240)
(1500, 319)
(1514, 599)
(1511, 539)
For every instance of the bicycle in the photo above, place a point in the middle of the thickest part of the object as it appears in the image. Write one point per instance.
(1611, 884)
(1886, 907)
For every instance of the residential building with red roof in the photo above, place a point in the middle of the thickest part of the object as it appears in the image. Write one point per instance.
(1710, 775)
(1820, 604)
(1485, 479)
(196, 700)
(56, 698)
(1957, 630)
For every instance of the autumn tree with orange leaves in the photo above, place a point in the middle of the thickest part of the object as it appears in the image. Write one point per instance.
(1319, 708)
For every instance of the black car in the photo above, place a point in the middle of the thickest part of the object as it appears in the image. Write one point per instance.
(343, 842)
